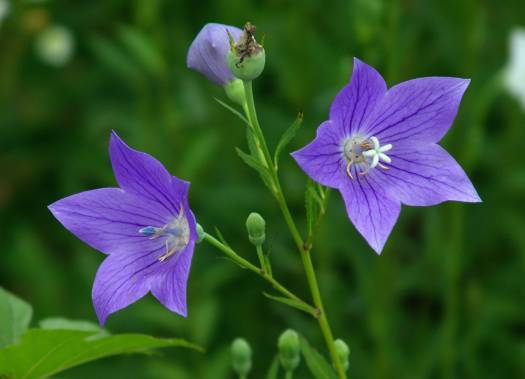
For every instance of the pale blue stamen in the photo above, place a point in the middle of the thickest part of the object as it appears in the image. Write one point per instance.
(150, 231)
(177, 235)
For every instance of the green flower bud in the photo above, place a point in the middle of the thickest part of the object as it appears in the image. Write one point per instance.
(241, 356)
(200, 233)
(235, 91)
(246, 59)
(256, 227)
(343, 352)
(289, 350)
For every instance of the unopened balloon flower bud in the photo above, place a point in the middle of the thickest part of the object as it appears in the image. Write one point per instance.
(343, 352)
(209, 50)
(289, 350)
(256, 227)
(241, 356)
(246, 58)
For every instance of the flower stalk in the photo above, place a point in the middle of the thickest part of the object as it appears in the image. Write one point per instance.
(230, 253)
(303, 248)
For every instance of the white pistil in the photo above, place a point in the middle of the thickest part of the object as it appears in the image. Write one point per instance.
(369, 152)
(377, 152)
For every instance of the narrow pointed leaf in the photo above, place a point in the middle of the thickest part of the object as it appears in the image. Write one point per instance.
(15, 316)
(232, 110)
(313, 204)
(42, 352)
(317, 364)
(291, 302)
(287, 136)
(257, 166)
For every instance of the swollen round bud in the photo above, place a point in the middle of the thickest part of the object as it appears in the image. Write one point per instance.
(256, 227)
(235, 91)
(343, 352)
(241, 356)
(200, 233)
(247, 58)
(289, 350)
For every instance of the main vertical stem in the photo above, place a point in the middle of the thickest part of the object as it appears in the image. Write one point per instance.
(303, 250)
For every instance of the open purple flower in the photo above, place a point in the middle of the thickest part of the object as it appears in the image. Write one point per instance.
(379, 149)
(145, 227)
(209, 50)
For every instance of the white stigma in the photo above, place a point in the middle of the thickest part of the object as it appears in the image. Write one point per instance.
(368, 152)
(378, 152)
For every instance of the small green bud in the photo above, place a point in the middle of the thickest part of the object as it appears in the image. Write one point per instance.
(247, 58)
(256, 227)
(289, 350)
(235, 91)
(200, 233)
(343, 352)
(241, 356)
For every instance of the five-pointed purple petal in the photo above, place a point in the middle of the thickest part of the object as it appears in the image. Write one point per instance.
(400, 127)
(113, 221)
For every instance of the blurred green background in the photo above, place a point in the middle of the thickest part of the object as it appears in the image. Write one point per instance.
(445, 300)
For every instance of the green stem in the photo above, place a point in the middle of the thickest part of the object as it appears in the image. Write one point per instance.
(230, 253)
(262, 260)
(304, 249)
(288, 375)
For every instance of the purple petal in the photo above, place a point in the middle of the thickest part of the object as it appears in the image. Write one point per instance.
(428, 175)
(419, 110)
(372, 212)
(170, 288)
(355, 102)
(109, 219)
(140, 174)
(121, 280)
(322, 159)
(208, 52)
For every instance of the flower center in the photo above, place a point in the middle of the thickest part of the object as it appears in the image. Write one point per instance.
(176, 232)
(367, 152)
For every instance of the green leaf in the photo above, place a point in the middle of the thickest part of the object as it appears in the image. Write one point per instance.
(65, 324)
(317, 364)
(313, 205)
(15, 316)
(233, 110)
(290, 302)
(43, 352)
(221, 237)
(273, 371)
(257, 166)
(287, 136)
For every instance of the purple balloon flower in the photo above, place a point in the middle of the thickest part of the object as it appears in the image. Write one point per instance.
(145, 227)
(379, 149)
(209, 50)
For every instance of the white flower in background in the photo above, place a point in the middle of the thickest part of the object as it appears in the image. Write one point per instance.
(5, 7)
(515, 70)
(55, 45)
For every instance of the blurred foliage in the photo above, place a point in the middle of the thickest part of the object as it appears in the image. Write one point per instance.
(445, 300)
